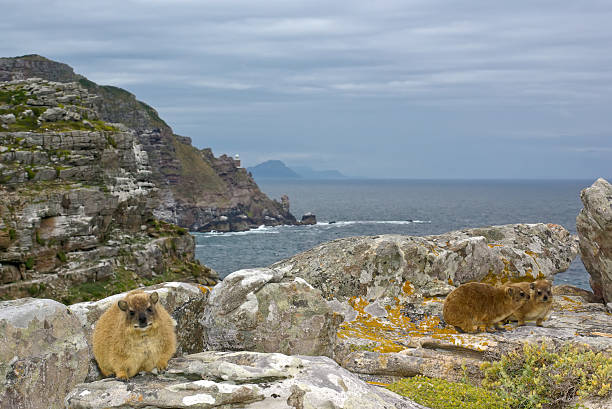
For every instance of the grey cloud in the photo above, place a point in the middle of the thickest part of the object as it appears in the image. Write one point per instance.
(335, 79)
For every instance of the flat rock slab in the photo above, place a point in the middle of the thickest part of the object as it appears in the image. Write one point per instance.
(399, 340)
(239, 380)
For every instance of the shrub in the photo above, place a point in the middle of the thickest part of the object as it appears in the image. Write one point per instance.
(29, 263)
(12, 234)
(540, 377)
(441, 394)
(39, 240)
(61, 256)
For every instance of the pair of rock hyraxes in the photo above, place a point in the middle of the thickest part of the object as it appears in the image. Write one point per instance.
(135, 334)
(474, 305)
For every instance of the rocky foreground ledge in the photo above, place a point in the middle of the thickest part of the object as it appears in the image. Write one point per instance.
(376, 317)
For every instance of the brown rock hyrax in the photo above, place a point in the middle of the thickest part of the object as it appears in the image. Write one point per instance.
(474, 305)
(539, 304)
(135, 334)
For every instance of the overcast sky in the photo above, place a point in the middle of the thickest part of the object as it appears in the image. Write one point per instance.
(408, 89)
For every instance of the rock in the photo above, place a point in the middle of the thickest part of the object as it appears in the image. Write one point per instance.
(586, 295)
(27, 113)
(594, 225)
(184, 302)
(396, 266)
(395, 339)
(265, 310)
(308, 218)
(240, 380)
(94, 190)
(53, 114)
(8, 119)
(391, 290)
(43, 355)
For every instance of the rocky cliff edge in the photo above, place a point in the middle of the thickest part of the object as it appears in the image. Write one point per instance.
(197, 190)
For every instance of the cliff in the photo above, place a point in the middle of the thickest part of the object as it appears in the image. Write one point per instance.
(77, 200)
(197, 190)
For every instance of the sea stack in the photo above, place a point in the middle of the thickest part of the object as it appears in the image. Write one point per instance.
(309, 218)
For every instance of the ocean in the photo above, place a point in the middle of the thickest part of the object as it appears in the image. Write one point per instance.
(411, 207)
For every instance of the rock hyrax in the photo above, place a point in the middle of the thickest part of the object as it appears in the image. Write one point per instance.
(136, 334)
(473, 305)
(539, 304)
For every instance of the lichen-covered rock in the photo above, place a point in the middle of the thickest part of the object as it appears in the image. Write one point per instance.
(594, 225)
(393, 339)
(389, 266)
(184, 302)
(240, 380)
(43, 354)
(266, 311)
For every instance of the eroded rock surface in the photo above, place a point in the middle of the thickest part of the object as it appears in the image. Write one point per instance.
(267, 310)
(42, 351)
(393, 339)
(594, 225)
(197, 190)
(380, 266)
(240, 380)
(76, 201)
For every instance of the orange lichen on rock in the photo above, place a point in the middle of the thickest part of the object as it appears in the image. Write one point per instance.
(394, 332)
(408, 288)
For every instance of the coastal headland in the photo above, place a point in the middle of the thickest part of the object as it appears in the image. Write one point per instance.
(97, 196)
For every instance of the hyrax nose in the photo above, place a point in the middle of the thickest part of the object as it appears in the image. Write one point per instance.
(142, 319)
(545, 298)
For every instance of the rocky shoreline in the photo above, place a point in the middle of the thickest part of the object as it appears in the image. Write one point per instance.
(320, 329)
(196, 190)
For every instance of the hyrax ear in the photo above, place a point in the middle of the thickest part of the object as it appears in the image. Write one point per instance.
(510, 291)
(123, 305)
(532, 286)
(154, 297)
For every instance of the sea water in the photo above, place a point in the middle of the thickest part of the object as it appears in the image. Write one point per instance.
(411, 207)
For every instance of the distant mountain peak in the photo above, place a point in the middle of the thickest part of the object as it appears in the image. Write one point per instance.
(277, 169)
(273, 169)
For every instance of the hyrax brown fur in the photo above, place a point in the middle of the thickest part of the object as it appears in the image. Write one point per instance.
(135, 334)
(474, 305)
(539, 304)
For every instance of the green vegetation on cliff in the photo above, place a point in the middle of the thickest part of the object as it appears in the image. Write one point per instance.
(197, 176)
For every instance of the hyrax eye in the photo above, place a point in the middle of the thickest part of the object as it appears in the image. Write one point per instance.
(149, 309)
(132, 313)
(522, 294)
(539, 292)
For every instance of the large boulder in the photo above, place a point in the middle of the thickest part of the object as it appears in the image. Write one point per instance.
(594, 225)
(266, 310)
(240, 380)
(43, 354)
(184, 302)
(390, 266)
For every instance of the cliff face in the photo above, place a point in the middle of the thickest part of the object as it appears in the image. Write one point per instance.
(77, 200)
(197, 190)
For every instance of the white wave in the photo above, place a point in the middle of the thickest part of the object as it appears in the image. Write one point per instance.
(263, 229)
(351, 222)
